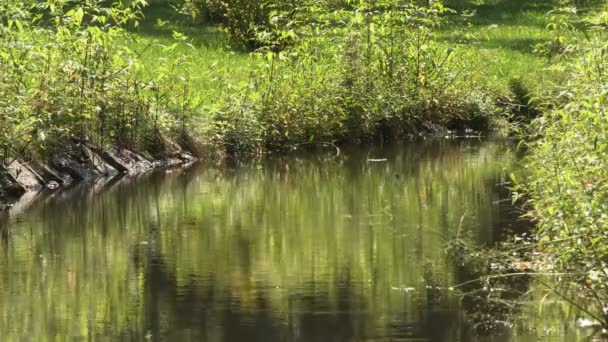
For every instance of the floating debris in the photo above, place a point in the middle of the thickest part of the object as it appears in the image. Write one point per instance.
(52, 185)
(587, 323)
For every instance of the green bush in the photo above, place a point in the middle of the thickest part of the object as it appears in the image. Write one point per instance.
(567, 188)
(375, 70)
(249, 22)
(68, 72)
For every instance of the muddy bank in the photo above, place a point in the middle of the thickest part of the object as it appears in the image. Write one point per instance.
(79, 162)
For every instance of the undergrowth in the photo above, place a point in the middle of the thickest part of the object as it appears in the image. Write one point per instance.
(320, 72)
(68, 73)
(565, 189)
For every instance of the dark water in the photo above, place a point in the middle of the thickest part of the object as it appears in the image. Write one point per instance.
(314, 247)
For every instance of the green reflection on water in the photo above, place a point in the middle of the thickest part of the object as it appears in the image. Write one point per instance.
(304, 247)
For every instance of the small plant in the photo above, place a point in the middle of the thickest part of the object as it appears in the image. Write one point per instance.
(561, 25)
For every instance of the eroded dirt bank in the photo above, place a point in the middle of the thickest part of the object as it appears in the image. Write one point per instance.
(81, 162)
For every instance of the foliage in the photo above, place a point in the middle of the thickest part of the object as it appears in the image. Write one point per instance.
(568, 167)
(67, 72)
(248, 21)
(374, 70)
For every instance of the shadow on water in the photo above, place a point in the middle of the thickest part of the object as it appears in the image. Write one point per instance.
(198, 312)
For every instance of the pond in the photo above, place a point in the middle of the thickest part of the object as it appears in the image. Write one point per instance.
(326, 246)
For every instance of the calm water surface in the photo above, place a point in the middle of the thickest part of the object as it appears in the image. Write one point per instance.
(308, 247)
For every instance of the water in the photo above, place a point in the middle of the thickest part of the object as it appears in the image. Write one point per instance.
(306, 247)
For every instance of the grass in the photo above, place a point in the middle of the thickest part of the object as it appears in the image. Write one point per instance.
(500, 34)
(216, 64)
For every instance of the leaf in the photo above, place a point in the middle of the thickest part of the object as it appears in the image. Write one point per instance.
(78, 15)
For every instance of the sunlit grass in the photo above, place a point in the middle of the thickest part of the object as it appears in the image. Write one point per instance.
(500, 35)
(215, 63)
(503, 36)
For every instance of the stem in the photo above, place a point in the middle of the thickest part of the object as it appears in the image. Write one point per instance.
(578, 306)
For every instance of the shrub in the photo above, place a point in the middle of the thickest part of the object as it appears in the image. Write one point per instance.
(568, 167)
(249, 22)
(67, 72)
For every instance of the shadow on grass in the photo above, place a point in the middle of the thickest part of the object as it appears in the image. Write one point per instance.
(201, 35)
(525, 45)
(522, 45)
(490, 12)
(502, 9)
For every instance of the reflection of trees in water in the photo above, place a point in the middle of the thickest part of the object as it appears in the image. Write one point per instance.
(4, 228)
(188, 247)
(206, 307)
(199, 311)
(492, 298)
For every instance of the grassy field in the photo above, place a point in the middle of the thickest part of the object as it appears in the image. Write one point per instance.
(502, 35)
(215, 64)
(499, 35)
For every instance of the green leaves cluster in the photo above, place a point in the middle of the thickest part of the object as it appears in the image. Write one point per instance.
(248, 22)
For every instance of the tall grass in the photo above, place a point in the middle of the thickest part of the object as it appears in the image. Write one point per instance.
(69, 73)
(492, 44)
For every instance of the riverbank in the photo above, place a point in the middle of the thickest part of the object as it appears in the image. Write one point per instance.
(80, 162)
(94, 85)
(342, 80)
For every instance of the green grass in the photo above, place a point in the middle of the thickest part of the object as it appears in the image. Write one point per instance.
(502, 35)
(215, 63)
(499, 36)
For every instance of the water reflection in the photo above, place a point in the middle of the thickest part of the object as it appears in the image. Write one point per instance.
(310, 247)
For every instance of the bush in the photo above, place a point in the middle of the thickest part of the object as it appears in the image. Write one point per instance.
(249, 22)
(568, 167)
(375, 70)
(67, 72)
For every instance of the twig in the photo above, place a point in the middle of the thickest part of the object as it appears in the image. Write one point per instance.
(508, 275)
